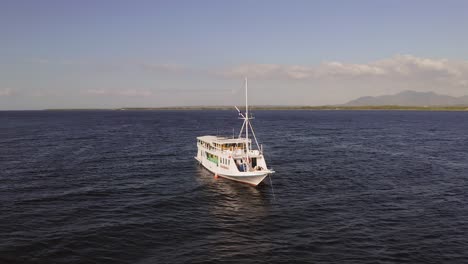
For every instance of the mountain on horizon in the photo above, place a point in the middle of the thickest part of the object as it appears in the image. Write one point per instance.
(410, 98)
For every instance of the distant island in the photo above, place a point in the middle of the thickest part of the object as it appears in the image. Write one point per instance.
(406, 100)
(410, 98)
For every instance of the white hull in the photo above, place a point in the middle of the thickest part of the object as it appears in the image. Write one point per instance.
(253, 178)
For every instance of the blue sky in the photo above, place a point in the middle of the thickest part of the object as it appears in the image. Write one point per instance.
(56, 54)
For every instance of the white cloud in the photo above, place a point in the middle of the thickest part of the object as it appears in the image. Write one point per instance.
(29, 92)
(397, 68)
(164, 67)
(114, 64)
(410, 65)
(343, 69)
(6, 92)
(134, 92)
(124, 92)
(97, 91)
(257, 70)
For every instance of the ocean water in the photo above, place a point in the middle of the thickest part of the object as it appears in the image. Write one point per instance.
(123, 187)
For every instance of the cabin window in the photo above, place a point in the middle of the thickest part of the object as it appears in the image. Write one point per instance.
(212, 158)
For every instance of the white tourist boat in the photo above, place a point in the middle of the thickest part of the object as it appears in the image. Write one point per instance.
(234, 158)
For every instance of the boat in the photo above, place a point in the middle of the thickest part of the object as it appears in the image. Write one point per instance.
(235, 158)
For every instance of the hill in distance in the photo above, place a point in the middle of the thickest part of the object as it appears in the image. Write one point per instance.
(410, 98)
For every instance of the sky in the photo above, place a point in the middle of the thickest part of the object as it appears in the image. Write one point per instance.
(111, 54)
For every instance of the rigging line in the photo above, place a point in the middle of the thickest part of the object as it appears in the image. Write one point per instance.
(253, 133)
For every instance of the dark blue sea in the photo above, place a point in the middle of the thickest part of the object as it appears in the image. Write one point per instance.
(123, 187)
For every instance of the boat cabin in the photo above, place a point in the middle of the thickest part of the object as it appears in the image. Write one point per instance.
(222, 143)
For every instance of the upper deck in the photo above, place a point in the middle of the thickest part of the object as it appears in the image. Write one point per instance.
(235, 146)
(222, 140)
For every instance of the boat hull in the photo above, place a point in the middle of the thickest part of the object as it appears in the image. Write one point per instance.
(253, 178)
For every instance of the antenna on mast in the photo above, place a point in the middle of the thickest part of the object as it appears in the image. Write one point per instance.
(246, 101)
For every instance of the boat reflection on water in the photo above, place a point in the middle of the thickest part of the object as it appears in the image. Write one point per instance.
(238, 214)
(234, 196)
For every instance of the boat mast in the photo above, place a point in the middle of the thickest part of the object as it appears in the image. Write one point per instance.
(246, 119)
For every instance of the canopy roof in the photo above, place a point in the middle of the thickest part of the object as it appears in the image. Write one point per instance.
(222, 140)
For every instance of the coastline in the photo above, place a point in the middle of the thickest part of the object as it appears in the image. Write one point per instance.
(282, 108)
